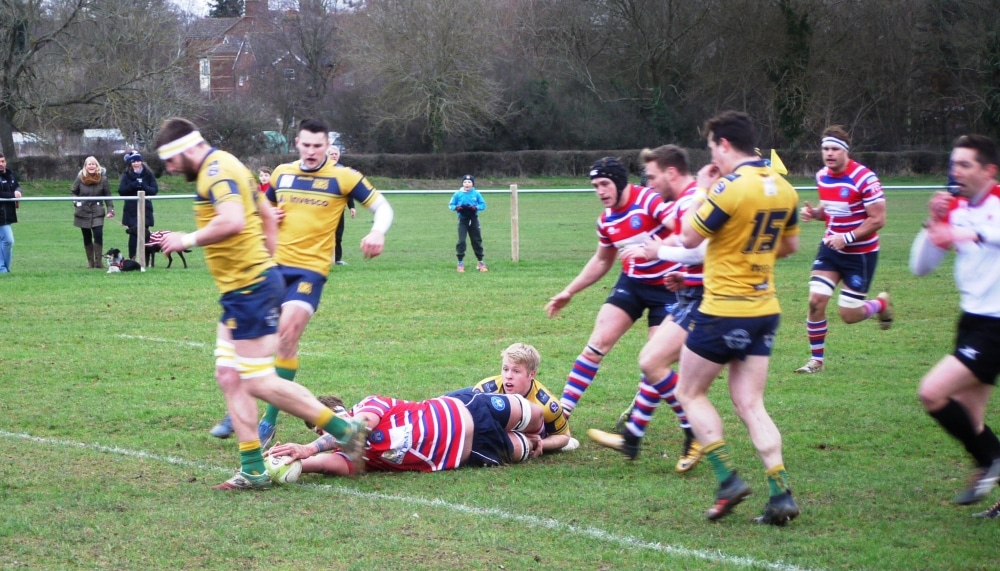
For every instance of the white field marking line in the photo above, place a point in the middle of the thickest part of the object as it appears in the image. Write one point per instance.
(198, 344)
(533, 521)
(161, 340)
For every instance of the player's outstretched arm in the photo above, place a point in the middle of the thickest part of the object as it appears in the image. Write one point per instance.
(555, 442)
(598, 265)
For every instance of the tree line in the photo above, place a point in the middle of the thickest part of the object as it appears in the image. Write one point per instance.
(411, 76)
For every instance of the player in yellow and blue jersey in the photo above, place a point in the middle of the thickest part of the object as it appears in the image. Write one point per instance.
(235, 230)
(750, 218)
(311, 195)
(519, 365)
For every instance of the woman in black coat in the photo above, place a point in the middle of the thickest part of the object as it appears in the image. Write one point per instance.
(137, 177)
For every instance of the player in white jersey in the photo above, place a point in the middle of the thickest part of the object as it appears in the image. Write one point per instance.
(957, 389)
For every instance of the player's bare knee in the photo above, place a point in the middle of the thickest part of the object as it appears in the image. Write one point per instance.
(850, 305)
(256, 374)
(749, 409)
(227, 378)
(817, 304)
(931, 398)
(820, 292)
(684, 394)
(653, 362)
(225, 365)
(851, 315)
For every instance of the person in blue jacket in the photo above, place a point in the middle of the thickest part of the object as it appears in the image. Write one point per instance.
(468, 203)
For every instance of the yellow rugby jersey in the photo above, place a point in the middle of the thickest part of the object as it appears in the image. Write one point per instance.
(238, 261)
(745, 217)
(555, 421)
(313, 203)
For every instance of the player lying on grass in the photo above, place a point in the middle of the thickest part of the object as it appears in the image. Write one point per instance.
(442, 433)
(519, 364)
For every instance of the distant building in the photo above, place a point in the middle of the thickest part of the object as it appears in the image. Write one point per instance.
(28, 144)
(103, 141)
(222, 51)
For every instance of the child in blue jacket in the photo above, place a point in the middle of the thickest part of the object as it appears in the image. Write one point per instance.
(468, 203)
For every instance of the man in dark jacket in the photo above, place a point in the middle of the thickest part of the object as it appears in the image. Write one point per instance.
(136, 178)
(9, 188)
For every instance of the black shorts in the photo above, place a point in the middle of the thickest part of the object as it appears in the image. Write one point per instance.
(633, 297)
(856, 270)
(976, 346)
(490, 413)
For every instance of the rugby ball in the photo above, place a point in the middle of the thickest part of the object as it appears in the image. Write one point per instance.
(282, 469)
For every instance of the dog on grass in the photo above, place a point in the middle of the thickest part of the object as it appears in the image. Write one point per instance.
(118, 263)
(153, 246)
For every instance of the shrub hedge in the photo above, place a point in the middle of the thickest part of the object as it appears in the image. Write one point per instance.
(501, 164)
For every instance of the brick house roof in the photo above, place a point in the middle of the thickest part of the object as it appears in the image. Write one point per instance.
(210, 28)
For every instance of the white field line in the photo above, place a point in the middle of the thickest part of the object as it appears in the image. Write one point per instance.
(198, 344)
(491, 513)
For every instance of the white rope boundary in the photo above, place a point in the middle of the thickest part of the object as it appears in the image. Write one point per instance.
(529, 520)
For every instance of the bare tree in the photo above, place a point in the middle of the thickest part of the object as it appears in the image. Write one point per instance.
(430, 62)
(299, 61)
(108, 62)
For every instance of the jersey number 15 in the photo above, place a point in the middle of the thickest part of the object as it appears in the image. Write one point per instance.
(767, 225)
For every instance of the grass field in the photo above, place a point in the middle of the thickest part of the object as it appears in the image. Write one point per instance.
(107, 395)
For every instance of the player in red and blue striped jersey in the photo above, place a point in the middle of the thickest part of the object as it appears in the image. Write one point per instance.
(669, 172)
(853, 207)
(632, 214)
(443, 433)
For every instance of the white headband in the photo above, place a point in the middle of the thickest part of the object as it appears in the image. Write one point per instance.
(174, 148)
(837, 142)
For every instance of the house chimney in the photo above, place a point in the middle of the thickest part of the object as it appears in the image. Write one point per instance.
(255, 8)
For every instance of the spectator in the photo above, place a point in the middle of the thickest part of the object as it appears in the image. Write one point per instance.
(264, 176)
(9, 188)
(89, 214)
(333, 151)
(468, 203)
(137, 178)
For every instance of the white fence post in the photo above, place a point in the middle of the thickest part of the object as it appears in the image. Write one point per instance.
(515, 229)
(140, 250)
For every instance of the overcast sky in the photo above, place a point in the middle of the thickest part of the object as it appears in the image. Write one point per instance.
(199, 7)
